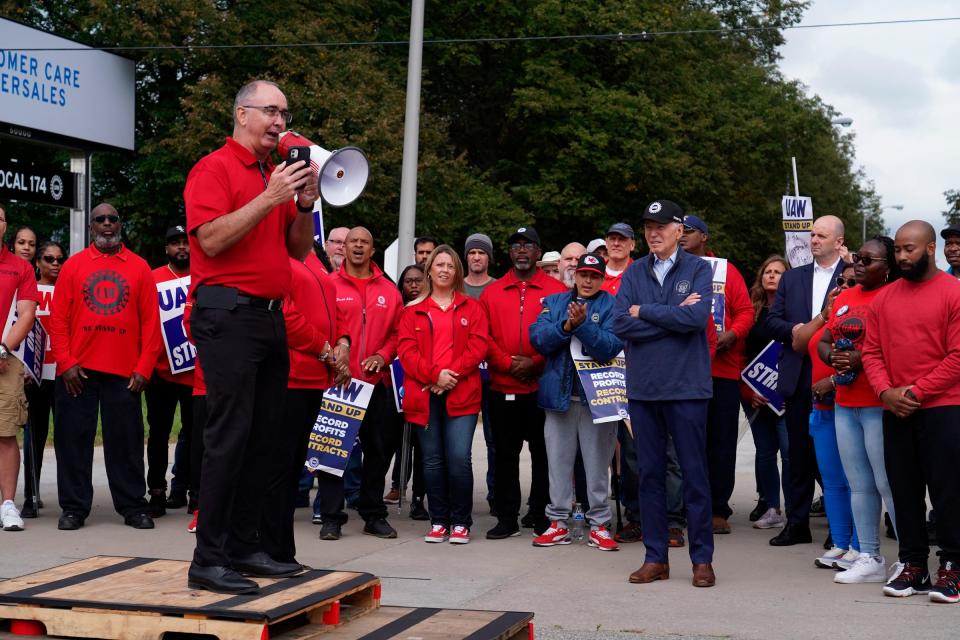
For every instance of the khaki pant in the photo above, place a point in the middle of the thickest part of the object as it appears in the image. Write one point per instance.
(13, 401)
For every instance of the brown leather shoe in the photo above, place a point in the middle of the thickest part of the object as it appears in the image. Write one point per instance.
(703, 575)
(720, 525)
(649, 572)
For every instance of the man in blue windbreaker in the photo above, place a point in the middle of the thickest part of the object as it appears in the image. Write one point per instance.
(661, 314)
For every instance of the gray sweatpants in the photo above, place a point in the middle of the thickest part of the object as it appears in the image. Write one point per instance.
(562, 432)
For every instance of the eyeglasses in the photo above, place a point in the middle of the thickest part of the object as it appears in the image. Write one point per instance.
(865, 260)
(521, 246)
(52, 259)
(850, 282)
(271, 111)
(105, 218)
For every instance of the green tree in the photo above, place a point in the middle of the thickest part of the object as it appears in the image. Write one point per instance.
(952, 214)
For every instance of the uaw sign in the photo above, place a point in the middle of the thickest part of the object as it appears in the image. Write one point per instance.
(337, 427)
(604, 384)
(718, 308)
(797, 225)
(172, 297)
(762, 374)
(32, 350)
(43, 184)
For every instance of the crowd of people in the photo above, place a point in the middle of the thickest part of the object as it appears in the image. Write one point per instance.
(869, 357)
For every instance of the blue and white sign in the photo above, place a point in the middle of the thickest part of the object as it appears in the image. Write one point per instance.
(172, 297)
(337, 427)
(718, 308)
(762, 373)
(604, 383)
(396, 376)
(32, 350)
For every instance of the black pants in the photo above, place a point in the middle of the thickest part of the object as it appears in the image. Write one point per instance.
(75, 429)
(415, 465)
(243, 353)
(379, 436)
(513, 422)
(288, 451)
(803, 461)
(921, 452)
(629, 474)
(723, 423)
(41, 401)
(162, 399)
(196, 445)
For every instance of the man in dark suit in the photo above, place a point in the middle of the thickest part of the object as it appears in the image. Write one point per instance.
(801, 297)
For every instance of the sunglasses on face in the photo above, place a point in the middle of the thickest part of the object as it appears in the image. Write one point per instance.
(850, 282)
(104, 218)
(865, 260)
(52, 259)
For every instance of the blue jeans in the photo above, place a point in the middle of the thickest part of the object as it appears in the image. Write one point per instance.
(860, 440)
(769, 436)
(836, 491)
(447, 443)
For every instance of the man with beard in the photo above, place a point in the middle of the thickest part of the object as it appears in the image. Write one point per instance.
(512, 304)
(478, 251)
(334, 246)
(569, 258)
(105, 334)
(165, 391)
(422, 248)
(912, 358)
(951, 248)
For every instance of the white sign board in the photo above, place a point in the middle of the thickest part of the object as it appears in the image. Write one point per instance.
(797, 225)
(82, 93)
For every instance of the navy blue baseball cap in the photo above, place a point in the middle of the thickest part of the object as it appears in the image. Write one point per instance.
(622, 229)
(693, 222)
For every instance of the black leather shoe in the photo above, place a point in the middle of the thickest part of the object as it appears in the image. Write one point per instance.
(261, 565)
(138, 521)
(792, 534)
(177, 500)
(28, 510)
(380, 528)
(417, 510)
(70, 522)
(330, 531)
(220, 579)
(503, 530)
(530, 520)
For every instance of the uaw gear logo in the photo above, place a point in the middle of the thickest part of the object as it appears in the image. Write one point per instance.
(56, 187)
(595, 317)
(655, 207)
(106, 293)
(463, 321)
(522, 230)
(683, 287)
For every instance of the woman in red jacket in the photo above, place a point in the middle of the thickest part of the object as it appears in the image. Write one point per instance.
(441, 341)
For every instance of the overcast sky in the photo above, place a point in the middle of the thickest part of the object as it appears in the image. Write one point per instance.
(900, 84)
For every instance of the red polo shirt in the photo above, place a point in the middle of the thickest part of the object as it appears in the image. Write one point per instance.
(105, 315)
(165, 274)
(221, 183)
(16, 279)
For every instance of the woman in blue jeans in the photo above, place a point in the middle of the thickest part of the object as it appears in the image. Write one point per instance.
(836, 490)
(441, 341)
(859, 412)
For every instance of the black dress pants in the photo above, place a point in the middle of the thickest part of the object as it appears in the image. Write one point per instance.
(723, 425)
(288, 451)
(75, 428)
(921, 452)
(515, 421)
(803, 461)
(243, 353)
(41, 402)
(162, 398)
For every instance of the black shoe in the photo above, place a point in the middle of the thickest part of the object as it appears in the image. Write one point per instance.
(220, 579)
(890, 531)
(504, 529)
(138, 521)
(828, 543)
(530, 520)
(330, 531)
(177, 500)
(417, 510)
(493, 508)
(158, 503)
(758, 510)
(28, 510)
(379, 527)
(792, 534)
(263, 566)
(70, 522)
(817, 510)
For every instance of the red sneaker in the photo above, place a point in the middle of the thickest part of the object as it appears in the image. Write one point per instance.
(192, 527)
(460, 535)
(553, 536)
(438, 533)
(601, 539)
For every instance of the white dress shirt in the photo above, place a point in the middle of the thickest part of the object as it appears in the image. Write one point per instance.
(822, 283)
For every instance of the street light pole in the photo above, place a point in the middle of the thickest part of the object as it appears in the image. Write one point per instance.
(411, 139)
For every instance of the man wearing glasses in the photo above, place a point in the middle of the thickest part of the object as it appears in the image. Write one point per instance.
(243, 223)
(512, 304)
(105, 335)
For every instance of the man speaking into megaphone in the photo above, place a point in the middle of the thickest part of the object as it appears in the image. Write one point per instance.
(243, 221)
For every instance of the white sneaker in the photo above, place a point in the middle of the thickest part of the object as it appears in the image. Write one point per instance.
(866, 568)
(829, 559)
(770, 520)
(846, 560)
(10, 517)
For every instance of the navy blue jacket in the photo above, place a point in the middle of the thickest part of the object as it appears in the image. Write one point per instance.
(791, 307)
(548, 337)
(668, 357)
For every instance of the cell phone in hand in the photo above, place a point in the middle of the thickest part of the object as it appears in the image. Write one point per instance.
(298, 155)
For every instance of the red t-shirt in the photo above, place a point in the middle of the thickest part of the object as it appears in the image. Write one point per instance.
(165, 274)
(821, 369)
(442, 321)
(849, 320)
(105, 314)
(221, 183)
(16, 279)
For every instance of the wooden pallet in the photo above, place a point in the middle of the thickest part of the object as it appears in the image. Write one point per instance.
(144, 598)
(398, 623)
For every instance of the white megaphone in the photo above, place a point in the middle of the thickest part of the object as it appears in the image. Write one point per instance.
(342, 173)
